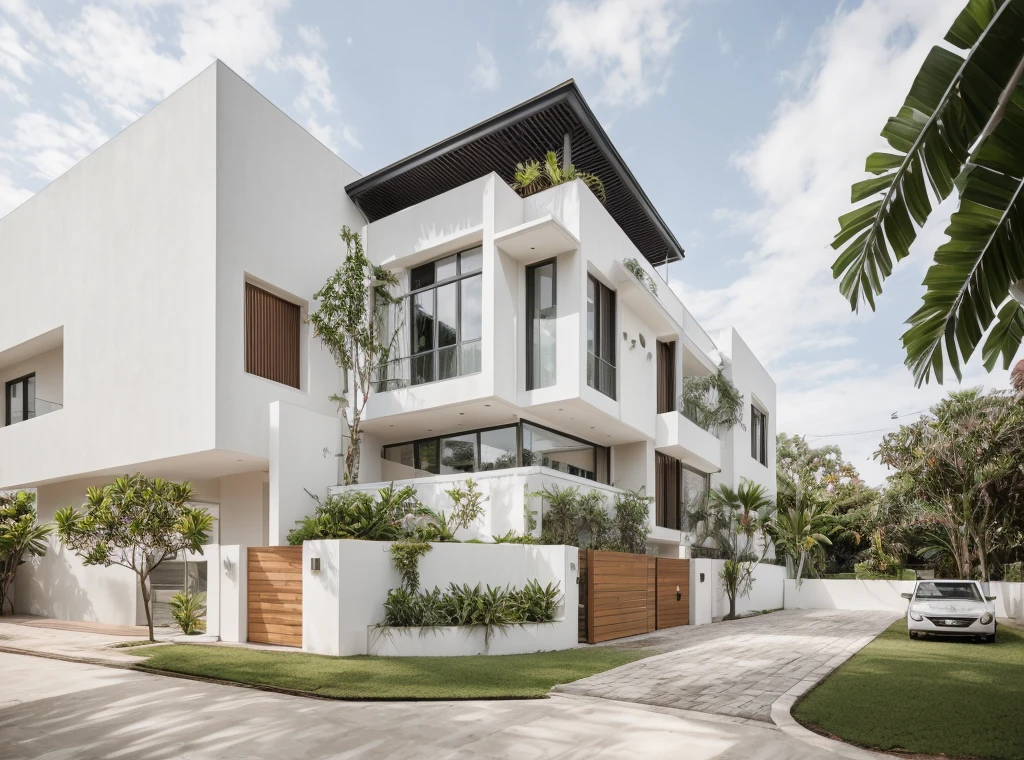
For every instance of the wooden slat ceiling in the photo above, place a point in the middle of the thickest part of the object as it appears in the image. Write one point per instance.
(498, 144)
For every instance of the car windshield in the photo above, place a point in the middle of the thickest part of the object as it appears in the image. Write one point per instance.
(948, 591)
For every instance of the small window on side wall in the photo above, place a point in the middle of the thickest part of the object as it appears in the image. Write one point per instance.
(272, 336)
(758, 435)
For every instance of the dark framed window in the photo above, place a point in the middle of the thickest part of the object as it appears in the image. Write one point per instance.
(522, 445)
(758, 435)
(600, 337)
(445, 303)
(272, 336)
(667, 477)
(541, 337)
(20, 399)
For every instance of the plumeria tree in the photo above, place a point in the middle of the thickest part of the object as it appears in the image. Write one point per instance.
(136, 523)
(354, 320)
(735, 520)
(20, 537)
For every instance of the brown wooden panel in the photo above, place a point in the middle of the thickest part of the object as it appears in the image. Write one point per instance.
(275, 595)
(619, 600)
(673, 574)
(272, 333)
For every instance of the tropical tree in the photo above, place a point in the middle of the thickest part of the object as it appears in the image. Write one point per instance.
(137, 523)
(735, 520)
(355, 320)
(532, 176)
(963, 466)
(20, 537)
(961, 126)
(801, 529)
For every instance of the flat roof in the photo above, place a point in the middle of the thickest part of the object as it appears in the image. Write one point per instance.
(497, 144)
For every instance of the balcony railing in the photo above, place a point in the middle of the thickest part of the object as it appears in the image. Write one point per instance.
(441, 364)
(600, 375)
(699, 418)
(39, 408)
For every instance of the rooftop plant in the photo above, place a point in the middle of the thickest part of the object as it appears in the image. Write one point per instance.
(533, 176)
(637, 270)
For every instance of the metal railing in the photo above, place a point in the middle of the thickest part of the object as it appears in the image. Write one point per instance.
(40, 407)
(600, 375)
(444, 363)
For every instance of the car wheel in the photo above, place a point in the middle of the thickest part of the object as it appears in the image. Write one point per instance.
(990, 639)
(913, 634)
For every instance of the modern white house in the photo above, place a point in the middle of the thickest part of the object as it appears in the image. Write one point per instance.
(154, 320)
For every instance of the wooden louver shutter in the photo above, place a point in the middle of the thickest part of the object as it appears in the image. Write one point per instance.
(271, 336)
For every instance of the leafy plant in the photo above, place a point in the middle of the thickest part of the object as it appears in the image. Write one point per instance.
(136, 523)
(960, 127)
(532, 176)
(575, 518)
(636, 269)
(349, 321)
(405, 556)
(467, 504)
(188, 609)
(801, 527)
(514, 538)
(712, 402)
(358, 515)
(535, 603)
(1012, 572)
(632, 521)
(20, 537)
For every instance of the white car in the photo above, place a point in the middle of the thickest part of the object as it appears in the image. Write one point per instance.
(951, 608)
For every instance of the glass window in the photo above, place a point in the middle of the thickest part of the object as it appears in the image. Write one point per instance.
(541, 339)
(758, 435)
(600, 337)
(962, 590)
(694, 493)
(446, 319)
(426, 456)
(545, 448)
(498, 448)
(458, 453)
(20, 400)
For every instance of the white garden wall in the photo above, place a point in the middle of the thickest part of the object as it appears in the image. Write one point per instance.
(708, 600)
(347, 595)
(852, 594)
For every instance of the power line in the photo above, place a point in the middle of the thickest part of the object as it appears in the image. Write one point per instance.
(894, 416)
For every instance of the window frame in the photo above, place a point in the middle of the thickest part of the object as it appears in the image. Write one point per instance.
(435, 350)
(602, 319)
(531, 298)
(23, 380)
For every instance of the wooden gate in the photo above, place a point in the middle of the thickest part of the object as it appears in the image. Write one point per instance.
(673, 580)
(275, 595)
(627, 594)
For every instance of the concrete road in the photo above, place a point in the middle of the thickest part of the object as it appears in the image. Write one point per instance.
(54, 709)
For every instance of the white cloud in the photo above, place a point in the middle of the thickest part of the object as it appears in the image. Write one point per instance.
(724, 46)
(779, 35)
(628, 44)
(781, 295)
(51, 146)
(485, 74)
(11, 196)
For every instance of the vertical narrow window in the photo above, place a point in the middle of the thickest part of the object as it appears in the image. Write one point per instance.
(446, 317)
(20, 400)
(600, 337)
(272, 327)
(541, 338)
(666, 377)
(667, 473)
(758, 435)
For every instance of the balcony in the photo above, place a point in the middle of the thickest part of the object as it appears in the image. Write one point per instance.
(682, 438)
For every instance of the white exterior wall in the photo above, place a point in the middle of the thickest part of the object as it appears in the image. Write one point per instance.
(337, 612)
(708, 600)
(852, 594)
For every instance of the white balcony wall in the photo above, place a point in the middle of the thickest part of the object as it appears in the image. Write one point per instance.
(48, 368)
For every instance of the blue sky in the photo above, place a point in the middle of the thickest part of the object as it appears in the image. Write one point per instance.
(744, 120)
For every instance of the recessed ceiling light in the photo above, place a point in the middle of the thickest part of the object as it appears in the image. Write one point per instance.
(561, 409)
(461, 413)
(591, 427)
(486, 404)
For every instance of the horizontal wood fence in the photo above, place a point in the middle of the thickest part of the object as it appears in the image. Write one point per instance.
(275, 595)
(620, 594)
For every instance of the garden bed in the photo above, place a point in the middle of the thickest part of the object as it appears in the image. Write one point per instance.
(456, 641)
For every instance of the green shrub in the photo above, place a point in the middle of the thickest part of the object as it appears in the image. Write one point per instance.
(632, 509)
(575, 518)
(1013, 571)
(188, 609)
(405, 556)
(514, 538)
(356, 514)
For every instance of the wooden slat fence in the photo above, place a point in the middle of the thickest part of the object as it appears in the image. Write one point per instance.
(275, 595)
(628, 594)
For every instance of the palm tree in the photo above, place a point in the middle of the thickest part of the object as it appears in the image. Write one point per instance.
(801, 528)
(961, 126)
(533, 176)
(735, 520)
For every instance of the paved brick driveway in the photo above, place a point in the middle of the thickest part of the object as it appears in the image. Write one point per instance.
(737, 668)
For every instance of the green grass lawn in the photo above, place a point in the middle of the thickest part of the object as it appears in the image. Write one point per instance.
(481, 677)
(929, 696)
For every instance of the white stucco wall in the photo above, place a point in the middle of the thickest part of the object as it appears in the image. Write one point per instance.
(708, 598)
(852, 594)
(337, 611)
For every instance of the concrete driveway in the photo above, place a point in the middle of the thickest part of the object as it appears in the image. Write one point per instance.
(737, 668)
(53, 709)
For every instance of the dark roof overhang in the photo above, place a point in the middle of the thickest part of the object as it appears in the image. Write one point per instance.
(525, 131)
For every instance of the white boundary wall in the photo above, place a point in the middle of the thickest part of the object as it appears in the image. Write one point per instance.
(708, 600)
(346, 597)
(853, 594)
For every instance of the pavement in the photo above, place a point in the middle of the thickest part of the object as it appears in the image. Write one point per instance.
(738, 668)
(88, 642)
(54, 709)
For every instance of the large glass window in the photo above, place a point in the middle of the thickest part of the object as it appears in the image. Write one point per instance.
(495, 449)
(446, 317)
(600, 337)
(541, 340)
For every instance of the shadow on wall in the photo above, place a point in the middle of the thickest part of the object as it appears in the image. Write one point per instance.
(48, 586)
